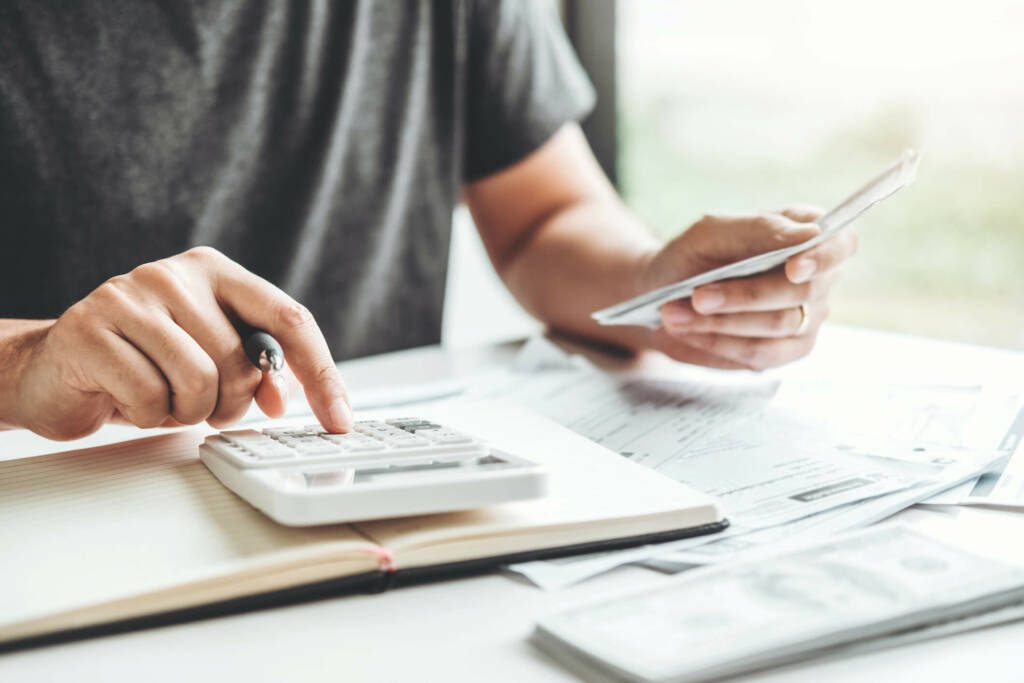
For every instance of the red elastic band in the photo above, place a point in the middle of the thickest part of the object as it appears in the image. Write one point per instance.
(384, 556)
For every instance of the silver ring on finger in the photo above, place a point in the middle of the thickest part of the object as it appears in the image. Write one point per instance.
(805, 320)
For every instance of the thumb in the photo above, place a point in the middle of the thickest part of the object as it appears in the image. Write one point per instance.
(272, 394)
(724, 239)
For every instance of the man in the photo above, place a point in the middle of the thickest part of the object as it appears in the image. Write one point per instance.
(321, 147)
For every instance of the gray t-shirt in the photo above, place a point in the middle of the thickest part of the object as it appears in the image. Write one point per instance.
(322, 145)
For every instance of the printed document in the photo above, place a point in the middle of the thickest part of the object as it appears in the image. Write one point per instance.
(735, 542)
(730, 439)
(723, 440)
(1004, 486)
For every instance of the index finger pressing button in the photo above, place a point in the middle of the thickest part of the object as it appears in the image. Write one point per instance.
(260, 304)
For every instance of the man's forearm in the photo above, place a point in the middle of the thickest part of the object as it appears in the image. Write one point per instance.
(586, 256)
(17, 337)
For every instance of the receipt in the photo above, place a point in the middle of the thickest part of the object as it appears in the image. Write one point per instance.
(645, 309)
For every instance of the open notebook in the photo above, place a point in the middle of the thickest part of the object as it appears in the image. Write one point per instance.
(140, 532)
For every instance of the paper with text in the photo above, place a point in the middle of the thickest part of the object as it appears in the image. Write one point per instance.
(765, 468)
(941, 436)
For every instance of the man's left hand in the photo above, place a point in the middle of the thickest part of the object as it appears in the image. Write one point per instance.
(756, 322)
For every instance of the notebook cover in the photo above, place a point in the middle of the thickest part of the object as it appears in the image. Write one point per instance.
(369, 582)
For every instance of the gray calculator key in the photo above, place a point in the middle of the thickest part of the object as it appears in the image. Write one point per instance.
(412, 425)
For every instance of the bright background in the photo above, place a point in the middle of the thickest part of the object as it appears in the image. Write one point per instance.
(739, 105)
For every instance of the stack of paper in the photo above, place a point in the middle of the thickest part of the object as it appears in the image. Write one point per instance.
(806, 460)
(851, 594)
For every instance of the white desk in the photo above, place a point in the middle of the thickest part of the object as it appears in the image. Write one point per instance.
(475, 629)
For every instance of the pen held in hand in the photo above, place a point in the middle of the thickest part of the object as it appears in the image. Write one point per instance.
(263, 351)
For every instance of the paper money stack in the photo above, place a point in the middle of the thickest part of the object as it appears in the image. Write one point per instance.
(864, 591)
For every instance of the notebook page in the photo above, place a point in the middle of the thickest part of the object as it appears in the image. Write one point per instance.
(594, 494)
(98, 525)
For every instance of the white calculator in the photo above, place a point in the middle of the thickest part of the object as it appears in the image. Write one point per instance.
(302, 476)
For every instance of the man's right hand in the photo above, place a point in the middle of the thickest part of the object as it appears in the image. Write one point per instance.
(159, 346)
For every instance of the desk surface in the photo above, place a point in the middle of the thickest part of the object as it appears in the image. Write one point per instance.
(475, 629)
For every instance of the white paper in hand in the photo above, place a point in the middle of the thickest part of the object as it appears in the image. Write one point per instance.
(645, 309)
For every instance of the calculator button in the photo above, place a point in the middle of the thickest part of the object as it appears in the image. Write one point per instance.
(406, 442)
(364, 447)
(278, 432)
(272, 451)
(364, 430)
(354, 442)
(242, 434)
(269, 454)
(296, 441)
(444, 436)
(247, 438)
(351, 437)
(412, 425)
(314, 429)
(319, 447)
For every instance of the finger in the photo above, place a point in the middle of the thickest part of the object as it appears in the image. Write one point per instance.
(262, 305)
(680, 320)
(237, 377)
(679, 350)
(772, 291)
(272, 394)
(138, 389)
(822, 258)
(753, 353)
(803, 213)
(717, 239)
(191, 373)
(206, 323)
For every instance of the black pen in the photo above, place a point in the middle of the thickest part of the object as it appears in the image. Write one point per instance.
(263, 351)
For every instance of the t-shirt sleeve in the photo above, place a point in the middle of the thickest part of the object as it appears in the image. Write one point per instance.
(525, 83)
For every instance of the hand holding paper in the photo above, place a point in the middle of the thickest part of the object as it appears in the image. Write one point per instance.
(747, 291)
(756, 322)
